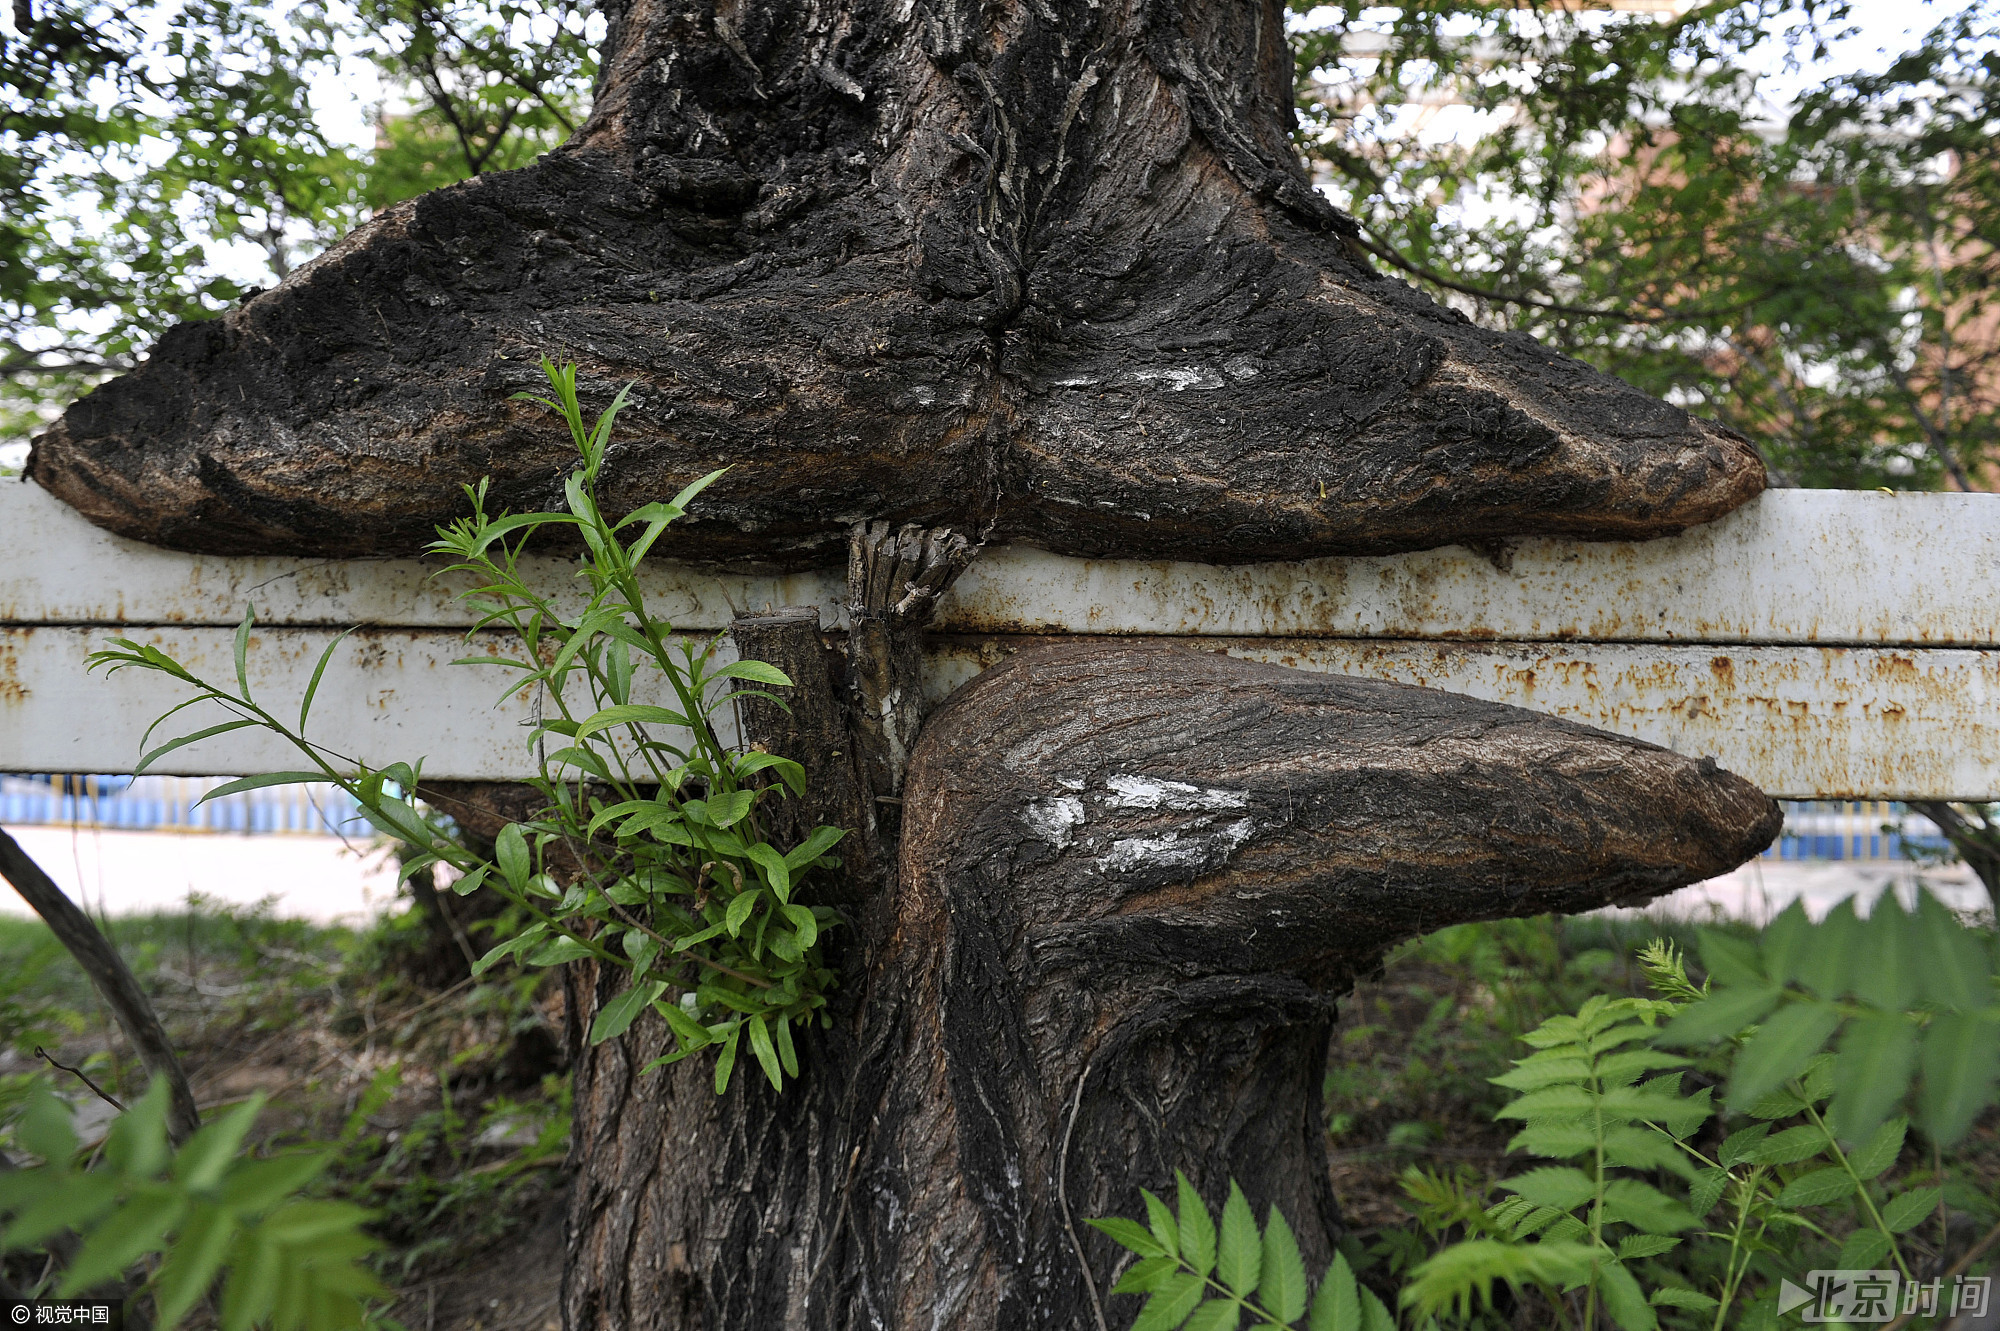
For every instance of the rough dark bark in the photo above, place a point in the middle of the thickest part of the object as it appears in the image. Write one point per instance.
(1046, 273)
(1132, 883)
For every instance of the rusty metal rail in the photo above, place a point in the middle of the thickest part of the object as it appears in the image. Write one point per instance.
(1826, 644)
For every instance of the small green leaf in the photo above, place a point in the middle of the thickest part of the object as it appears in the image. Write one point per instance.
(1197, 1228)
(1645, 1207)
(1818, 1188)
(756, 672)
(615, 1016)
(691, 1033)
(1721, 1016)
(1732, 960)
(740, 907)
(1707, 1190)
(1961, 1061)
(1906, 1210)
(1281, 1287)
(1160, 1219)
(192, 1264)
(725, 1064)
(510, 848)
(776, 872)
(203, 1160)
(1145, 1275)
(1170, 1305)
(1788, 1147)
(1636, 1247)
(1881, 1149)
(1216, 1315)
(1624, 1300)
(1889, 957)
(1878, 1051)
(766, 1052)
(1559, 1188)
(1780, 1050)
(1673, 1296)
(1863, 1249)
(1129, 1234)
(557, 951)
(725, 810)
(1337, 1305)
(138, 1227)
(819, 843)
(1239, 1255)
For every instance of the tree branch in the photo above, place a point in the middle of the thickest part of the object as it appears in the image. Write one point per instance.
(110, 975)
(1979, 847)
(1383, 252)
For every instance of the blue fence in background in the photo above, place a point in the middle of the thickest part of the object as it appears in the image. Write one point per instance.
(1867, 830)
(173, 804)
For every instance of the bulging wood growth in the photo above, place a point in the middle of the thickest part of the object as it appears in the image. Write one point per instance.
(1043, 273)
(925, 274)
(1132, 884)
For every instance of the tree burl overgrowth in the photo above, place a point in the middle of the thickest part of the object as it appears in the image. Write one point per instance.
(923, 276)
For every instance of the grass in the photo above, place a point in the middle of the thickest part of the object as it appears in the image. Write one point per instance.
(450, 1109)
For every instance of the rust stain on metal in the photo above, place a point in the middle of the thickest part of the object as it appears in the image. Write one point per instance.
(14, 688)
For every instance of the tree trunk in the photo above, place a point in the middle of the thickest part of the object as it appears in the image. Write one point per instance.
(1132, 884)
(925, 274)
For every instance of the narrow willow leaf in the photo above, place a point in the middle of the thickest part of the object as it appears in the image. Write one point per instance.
(614, 1017)
(766, 1052)
(726, 1063)
(319, 672)
(1239, 1254)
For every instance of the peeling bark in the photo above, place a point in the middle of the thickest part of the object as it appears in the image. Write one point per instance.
(1037, 273)
(1133, 882)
